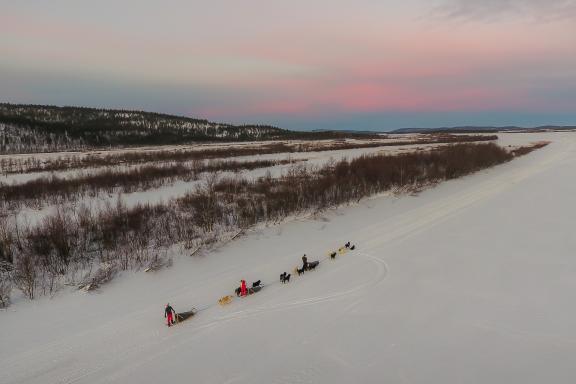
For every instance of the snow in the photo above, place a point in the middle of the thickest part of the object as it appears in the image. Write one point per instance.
(469, 282)
(319, 157)
(179, 188)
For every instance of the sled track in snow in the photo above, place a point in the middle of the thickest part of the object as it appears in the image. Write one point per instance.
(66, 369)
(382, 273)
(176, 339)
(78, 371)
(409, 223)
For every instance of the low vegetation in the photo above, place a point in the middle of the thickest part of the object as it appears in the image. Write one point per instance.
(53, 190)
(66, 246)
(35, 164)
(529, 148)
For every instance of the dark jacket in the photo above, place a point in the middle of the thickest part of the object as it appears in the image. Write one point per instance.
(168, 310)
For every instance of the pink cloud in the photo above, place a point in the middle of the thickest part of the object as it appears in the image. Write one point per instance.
(357, 64)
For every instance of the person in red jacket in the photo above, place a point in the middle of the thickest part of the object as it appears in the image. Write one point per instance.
(168, 313)
(243, 290)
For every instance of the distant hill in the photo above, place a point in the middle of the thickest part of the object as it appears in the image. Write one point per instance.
(44, 128)
(478, 129)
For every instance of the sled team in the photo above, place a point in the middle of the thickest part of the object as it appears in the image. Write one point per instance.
(243, 290)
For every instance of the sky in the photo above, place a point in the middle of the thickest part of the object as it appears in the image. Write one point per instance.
(299, 64)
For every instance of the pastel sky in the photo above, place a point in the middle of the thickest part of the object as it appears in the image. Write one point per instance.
(301, 64)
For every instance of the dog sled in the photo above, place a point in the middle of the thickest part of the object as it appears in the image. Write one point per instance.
(310, 266)
(256, 287)
(182, 316)
(253, 290)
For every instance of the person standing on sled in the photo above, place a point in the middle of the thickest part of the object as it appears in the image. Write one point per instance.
(169, 313)
(243, 291)
(304, 263)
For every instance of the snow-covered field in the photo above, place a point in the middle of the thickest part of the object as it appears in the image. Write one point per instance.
(179, 188)
(470, 282)
(317, 158)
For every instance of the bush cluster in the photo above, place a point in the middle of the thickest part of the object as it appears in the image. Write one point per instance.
(35, 164)
(46, 255)
(54, 189)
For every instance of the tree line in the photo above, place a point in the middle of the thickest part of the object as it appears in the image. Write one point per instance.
(37, 128)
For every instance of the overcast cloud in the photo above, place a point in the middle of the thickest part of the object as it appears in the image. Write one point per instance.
(492, 10)
(357, 64)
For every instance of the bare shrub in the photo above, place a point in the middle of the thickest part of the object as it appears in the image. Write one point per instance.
(6, 243)
(53, 189)
(103, 275)
(158, 262)
(119, 238)
(5, 284)
(97, 160)
(521, 151)
(344, 181)
(26, 275)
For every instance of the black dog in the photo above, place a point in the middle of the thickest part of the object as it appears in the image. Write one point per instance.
(256, 283)
(238, 290)
(300, 271)
(333, 255)
(313, 265)
(285, 278)
(347, 245)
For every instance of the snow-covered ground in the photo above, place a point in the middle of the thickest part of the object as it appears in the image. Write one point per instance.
(470, 282)
(314, 157)
(192, 147)
(28, 215)
(179, 188)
